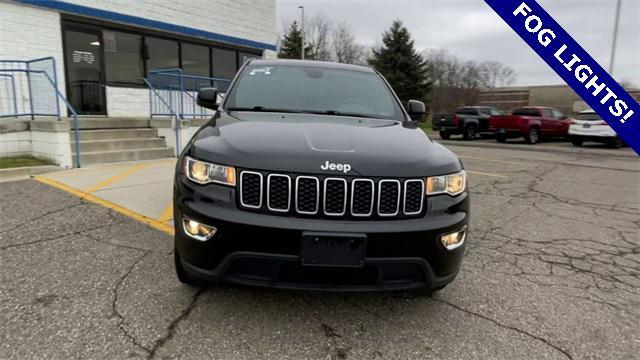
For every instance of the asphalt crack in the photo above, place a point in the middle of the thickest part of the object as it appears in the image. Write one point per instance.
(80, 232)
(509, 327)
(170, 331)
(114, 302)
(41, 216)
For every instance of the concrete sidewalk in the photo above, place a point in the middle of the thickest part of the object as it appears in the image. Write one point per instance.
(141, 189)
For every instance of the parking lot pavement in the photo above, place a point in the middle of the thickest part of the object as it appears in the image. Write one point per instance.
(552, 272)
(553, 145)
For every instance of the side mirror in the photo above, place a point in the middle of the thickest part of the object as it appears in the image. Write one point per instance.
(208, 98)
(416, 110)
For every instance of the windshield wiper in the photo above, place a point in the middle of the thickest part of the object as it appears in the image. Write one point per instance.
(318, 112)
(340, 113)
(261, 109)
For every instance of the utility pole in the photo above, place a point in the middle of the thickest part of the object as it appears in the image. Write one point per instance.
(615, 37)
(302, 31)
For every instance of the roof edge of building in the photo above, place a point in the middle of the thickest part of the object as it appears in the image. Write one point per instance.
(113, 16)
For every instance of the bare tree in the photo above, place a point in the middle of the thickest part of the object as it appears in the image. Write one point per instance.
(497, 74)
(458, 83)
(345, 48)
(328, 41)
(318, 34)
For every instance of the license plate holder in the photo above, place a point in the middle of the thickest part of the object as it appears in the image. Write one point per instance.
(586, 126)
(333, 249)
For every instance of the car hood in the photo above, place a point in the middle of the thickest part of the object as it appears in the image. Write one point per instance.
(306, 143)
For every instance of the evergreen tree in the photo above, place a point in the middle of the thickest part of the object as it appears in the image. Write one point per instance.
(291, 42)
(399, 62)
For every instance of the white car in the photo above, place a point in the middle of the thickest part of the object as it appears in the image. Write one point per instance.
(589, 126)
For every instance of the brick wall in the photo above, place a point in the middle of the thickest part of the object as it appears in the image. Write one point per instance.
(123, 102)
(28, 33)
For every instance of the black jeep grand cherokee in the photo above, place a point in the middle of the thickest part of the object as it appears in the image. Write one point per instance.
(313, 175)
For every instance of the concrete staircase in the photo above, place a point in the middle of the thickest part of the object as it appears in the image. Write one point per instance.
(106, 140)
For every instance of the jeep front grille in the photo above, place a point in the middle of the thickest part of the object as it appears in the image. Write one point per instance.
(330, 196)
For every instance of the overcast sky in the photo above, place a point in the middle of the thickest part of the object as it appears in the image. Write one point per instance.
(471, 30)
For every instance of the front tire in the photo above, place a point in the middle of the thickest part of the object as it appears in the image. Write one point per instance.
(533, 136)
(501, 138)
(445, 135)
(469, 132)
(576, 141)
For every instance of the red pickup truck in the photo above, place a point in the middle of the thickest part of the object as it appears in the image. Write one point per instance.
(532, 123)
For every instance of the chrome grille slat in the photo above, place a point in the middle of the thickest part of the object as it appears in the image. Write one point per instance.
(242, 193)
(341, 196)
(344, 197)
(404, 199)
(317, 195)
(381, 193)
(287, 193)
(354, 182)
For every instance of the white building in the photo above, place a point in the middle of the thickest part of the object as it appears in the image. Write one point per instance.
(103, 52)
(104, 48)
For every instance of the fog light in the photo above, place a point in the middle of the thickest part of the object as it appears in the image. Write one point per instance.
(454, 240)
(197, 230)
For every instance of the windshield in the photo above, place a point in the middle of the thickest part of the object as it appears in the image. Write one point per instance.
(526, 112)
(287, 88)
(588, 117)
(467, 111)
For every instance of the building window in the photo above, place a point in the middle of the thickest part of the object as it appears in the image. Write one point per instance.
(123, 57)
(244, 57)
(161, 54)
(224, 63)
(195, 59)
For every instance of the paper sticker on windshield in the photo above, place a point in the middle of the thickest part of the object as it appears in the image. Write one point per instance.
(263, 70)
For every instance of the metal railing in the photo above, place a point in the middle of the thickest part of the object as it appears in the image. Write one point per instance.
(25, 88)
(176, 93)
(175, 117)
(34, 92)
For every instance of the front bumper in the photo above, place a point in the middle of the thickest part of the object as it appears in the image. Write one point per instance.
(264, 250)
(508, 132)
(453, 130)
(593, 133)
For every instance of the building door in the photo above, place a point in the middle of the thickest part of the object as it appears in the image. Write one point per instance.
(84, 70)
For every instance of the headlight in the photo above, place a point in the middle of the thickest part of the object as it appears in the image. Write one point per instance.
(204, 173)
(452, 184)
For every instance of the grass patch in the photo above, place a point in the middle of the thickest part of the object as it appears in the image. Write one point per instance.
(21, 161)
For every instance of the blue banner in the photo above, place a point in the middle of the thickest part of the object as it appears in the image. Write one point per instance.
(574, 65)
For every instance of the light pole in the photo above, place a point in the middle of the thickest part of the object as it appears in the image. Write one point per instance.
(615, 37)
(302, 31)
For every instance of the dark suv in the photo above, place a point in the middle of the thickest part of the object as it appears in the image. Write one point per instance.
(313, 175)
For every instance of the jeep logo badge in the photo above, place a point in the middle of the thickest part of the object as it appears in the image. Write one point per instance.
(345, 168)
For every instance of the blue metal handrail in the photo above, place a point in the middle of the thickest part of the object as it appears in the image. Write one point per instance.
(175, 117)
(45, 65)
(13, 90)
(177, 88)
(52, 80)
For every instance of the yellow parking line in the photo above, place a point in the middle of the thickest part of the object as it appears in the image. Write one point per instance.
(114, 178)
(120, 209)
(498, 161)
(487, 174)
(167, 213)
